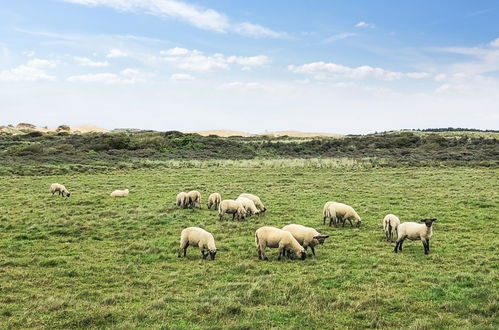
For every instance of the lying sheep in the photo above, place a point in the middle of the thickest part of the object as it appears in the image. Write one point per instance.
(277, 238)
(195, 236)
(194, 198)
(306, 236)
(181, 200)
(390, 224)
(258, 203)
(415, 231)
(342, 212)
(120, 193)
(59, 188)
(231, 207)
(249, 206)
(214, 200)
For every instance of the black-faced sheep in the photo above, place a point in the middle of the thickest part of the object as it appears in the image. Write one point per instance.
(59, 188)
(181, 200)
(390, 224)
(195, 236)
(277, 238)
(415, 231)
(249, 206)
(214, 200)
(306, 236)
(120, 193)
(231, 207)
(342, 212)
(194, 198)
(258, 203)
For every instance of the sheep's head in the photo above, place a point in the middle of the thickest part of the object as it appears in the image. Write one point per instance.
(321, 238)
(68, 194)
(213, 253)
(429, 221)
(358, 222)
(303, 254)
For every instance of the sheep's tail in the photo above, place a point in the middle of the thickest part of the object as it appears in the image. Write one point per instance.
(389, 227)
(257, 241)
(384, 225)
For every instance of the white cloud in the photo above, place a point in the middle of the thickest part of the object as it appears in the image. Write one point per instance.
(175, 51)
(115, 53)
(84, 61)
(30, 53)
(363, 24)
(203, 18)
(127, 76)
(324, 70)
(181, 76)
(241, 85)
(34, 70)
(340, 36)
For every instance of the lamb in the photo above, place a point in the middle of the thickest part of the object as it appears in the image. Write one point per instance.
(181, 200)
(258, 203)
(249, 206)
(277, 238)
(195, 236)
(231, 207)
(390, 224)
(342, 212)
(194, 198)
(415, 231)
(120, 193)
(59, 188)
(306, 236)
(214, 200)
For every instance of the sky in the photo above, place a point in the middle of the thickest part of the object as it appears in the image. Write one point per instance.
(348, 67)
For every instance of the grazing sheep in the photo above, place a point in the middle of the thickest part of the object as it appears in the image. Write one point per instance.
(342, 212)
(277, 238)
(326, 213)
(231, 207)
(415, 231)
(181, 200)
(194, 198)
(248, 205)
(214, 200)
(195, 236)
(258, 203)
(120, 193)
(306, 236)
(390, 224)
(59, 188)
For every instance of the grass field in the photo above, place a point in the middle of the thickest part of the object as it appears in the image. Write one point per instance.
(93, 261)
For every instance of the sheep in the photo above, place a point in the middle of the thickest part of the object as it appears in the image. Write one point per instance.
(214, 200)
(249, 206)
(59, 188)
(181, 199)
(195, 236)
(415, 231)
(231, 207)
(390, 224)
(258, 203)
(277, 238)
(306, 236)
(194, 198)
(342, 212)
(120, 193)
(325, 212)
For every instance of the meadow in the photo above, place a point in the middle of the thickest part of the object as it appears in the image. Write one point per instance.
(94, 261)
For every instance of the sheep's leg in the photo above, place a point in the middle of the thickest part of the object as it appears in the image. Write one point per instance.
(324, 221)
(398, 242)
(428, 244)
(400, 245)
(351, 224)
(313, 250)
(233, 216)
(204, 254)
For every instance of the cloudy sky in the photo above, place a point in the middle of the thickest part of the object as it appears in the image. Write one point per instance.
(324, 66)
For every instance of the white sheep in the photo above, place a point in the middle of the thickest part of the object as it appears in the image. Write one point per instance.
(390, 224)
(306, 236)
(342, 212)
(214, 200)
(59, 188)
(120, 193)
(194, 198)
(231, 207)
(249, 206)
(277, 238)
(415, 231)
(326, 214)
(195, 236)
(181, 199)
(258, 203)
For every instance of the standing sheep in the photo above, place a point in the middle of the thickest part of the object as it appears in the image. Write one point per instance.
(195, 236)
(231, 207)
(214, 200)
(181, 200)
(390, 224)
(258, 203)
(343, 212)
(326, 214)
(277, 238)
(248, 205)
(306, 236)
(194, 198)
(120, 193)
(59, 188)
(415, 231)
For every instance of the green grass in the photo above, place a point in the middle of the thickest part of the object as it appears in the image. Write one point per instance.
(94, 261)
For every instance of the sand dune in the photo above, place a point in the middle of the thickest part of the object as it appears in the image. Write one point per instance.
(227, 133)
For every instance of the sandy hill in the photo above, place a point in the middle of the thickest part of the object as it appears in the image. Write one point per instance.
(22, 128)
(298, 134)
(223, 133)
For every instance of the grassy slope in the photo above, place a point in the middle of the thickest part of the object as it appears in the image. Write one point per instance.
(93, 261)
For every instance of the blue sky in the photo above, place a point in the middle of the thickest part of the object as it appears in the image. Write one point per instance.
(331, 66)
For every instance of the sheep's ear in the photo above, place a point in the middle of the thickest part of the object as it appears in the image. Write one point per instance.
(433, 219)
(423, 220)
